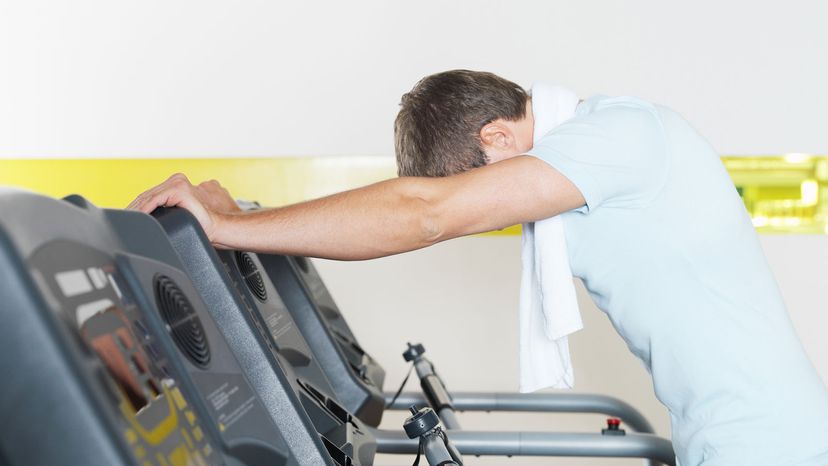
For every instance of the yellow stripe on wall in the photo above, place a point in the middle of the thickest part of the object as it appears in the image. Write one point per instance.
(271, 181)
(784, 194)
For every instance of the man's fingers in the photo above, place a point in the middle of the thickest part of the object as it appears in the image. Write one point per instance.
(170, 197)
(157, 199)
(154, 202)
(141, 199)
(149, 200)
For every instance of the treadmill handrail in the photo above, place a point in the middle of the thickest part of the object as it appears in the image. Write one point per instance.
(631, 445)
(535, 402)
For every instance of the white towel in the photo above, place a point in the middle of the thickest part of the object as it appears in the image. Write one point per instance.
(548, 306)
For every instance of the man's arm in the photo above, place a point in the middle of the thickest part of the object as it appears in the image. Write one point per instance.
(385, 218)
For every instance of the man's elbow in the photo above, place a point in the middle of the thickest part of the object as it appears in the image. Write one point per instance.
(423, 223)
(424, 220)
(431, 227)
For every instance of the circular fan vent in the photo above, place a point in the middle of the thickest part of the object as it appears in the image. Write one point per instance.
(251, 275)
(184, 323)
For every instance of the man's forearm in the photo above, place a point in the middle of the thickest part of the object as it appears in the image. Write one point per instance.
(378, 220)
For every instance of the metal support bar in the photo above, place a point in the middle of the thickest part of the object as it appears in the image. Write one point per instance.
(449, 419)
(437, 452)
(536, 402)
(539, 444)
(435, 393)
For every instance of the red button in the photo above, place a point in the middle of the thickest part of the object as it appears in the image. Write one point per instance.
(613, 422)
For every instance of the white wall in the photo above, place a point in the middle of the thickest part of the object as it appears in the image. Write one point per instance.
(202, 77)
(206, 78)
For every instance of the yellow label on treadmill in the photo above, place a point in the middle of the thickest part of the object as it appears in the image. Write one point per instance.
(178, 398)
(180, 456)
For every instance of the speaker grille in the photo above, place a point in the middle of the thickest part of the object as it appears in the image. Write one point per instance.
(183, 321)
(251, 275)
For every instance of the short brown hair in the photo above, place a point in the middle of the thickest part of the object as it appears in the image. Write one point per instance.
(437, 131)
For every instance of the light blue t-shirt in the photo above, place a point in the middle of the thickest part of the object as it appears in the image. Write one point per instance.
(665, 247)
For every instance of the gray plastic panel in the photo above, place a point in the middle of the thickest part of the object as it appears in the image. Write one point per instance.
(367, 368)
(74, 383)
(350, 370)
(227, 328)
(264, 332)
(226, 396)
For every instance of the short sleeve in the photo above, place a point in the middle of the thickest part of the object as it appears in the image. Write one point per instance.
(613, 150)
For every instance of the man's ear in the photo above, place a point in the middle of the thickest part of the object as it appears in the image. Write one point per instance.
(497, 136)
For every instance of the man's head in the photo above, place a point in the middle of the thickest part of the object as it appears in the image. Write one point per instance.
(457, 120)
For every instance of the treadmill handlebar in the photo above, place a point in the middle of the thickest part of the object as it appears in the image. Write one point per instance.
(413, 352)
(436, 392)
(433, 388)
(540, 444)
(537, 402)
(424, 424)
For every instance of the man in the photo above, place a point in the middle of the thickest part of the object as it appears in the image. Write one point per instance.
(654, 228)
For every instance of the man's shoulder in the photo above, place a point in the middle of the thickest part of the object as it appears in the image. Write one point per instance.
(617, 118)
(622, 105)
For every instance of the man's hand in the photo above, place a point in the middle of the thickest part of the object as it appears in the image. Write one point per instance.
(216, 198)
(207, 201)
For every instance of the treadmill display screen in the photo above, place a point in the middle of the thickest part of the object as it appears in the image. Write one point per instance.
(124, 360)
(86, 290)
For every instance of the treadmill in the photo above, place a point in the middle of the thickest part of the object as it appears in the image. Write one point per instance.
(112, 357)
